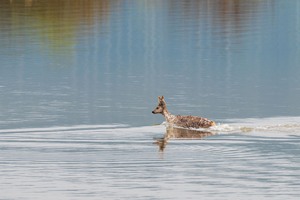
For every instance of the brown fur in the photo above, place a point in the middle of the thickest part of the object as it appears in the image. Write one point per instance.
(193, 121)
(181, 121)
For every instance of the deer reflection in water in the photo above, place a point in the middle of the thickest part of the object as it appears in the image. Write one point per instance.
(180, 133)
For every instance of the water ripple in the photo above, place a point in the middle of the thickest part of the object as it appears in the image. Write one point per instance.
(96, 161)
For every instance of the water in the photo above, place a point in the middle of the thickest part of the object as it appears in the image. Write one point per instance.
(78, 82)
(116, 162)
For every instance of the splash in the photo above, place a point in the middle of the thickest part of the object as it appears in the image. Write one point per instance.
(275, 124)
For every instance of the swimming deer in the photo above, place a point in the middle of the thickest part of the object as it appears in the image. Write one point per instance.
(181, 121)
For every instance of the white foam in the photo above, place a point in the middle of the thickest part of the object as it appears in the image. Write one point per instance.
(275, 124)
(247, 125)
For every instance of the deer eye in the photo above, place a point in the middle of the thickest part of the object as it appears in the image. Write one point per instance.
(157, 107)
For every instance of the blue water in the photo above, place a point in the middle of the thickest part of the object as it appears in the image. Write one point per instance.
(78, 82)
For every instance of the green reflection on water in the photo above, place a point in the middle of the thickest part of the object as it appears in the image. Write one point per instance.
(52, 25)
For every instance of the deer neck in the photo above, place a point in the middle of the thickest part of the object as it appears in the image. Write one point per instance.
(168, 116)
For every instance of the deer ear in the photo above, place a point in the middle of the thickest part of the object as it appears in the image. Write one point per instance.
(159, 99)
(162, 98)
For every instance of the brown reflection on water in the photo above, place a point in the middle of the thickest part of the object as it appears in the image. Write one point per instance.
(225, 18)
(236, 15)
(180, 133)
(54, 23)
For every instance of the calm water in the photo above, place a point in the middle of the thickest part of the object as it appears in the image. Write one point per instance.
(79, 79)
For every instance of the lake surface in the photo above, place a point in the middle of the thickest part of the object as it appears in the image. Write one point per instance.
(79, 79)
